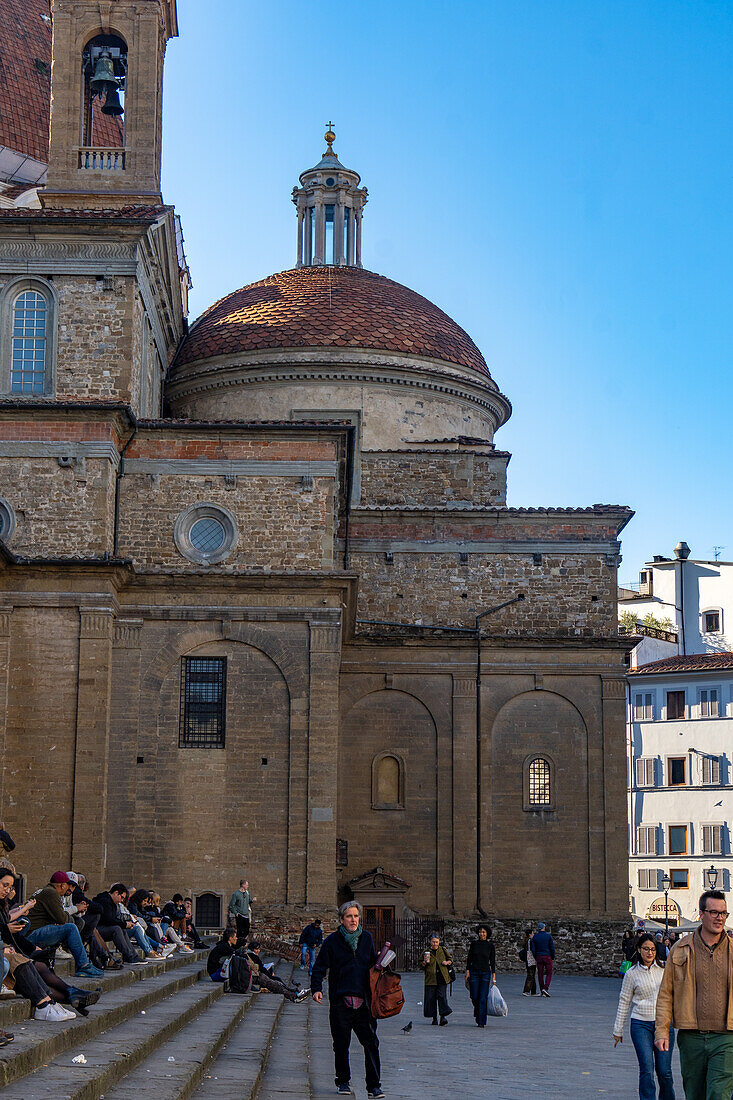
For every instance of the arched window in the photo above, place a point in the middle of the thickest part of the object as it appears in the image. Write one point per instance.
(388, 782)
(28, 336)
(539, 783)
(29, 343)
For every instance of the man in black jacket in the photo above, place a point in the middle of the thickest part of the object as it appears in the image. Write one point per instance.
(348, 955)
(220, 952)
(111, 925)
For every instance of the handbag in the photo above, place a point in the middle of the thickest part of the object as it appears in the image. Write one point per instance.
(451, 973)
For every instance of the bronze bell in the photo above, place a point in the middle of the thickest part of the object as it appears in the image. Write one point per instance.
(112, 105)
(103, 78)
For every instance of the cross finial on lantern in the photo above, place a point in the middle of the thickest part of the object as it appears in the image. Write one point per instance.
(329, 136)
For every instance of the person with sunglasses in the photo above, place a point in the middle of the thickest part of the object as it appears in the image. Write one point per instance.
(696, 995)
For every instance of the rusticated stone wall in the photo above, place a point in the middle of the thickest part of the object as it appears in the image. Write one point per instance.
(582, 947)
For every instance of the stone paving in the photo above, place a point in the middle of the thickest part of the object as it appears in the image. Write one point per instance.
(560, 1047)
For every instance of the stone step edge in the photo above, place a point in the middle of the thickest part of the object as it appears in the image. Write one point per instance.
(107, 1076)
(16, 1009)
(257, 1083)
(15, 1066)
(198, 1069)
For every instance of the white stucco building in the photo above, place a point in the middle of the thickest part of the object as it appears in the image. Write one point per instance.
(695, 597)
(680, 779)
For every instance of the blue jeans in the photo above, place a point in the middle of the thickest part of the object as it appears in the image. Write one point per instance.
(6, 968)
(51, 935)
(642, 1036)
(309, 953)
(141, 939)
(479, 985)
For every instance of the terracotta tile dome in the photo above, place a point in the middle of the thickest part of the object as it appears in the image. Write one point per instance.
(342, 307)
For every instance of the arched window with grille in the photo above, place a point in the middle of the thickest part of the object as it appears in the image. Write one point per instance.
(28, 314)
(539, 783)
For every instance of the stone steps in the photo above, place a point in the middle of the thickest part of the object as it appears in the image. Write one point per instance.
(126, 994)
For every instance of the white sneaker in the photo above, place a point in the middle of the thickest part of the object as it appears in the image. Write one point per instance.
(168, 950)
(51, 1013)
(183, 947)
(68, 1012)
(61, 954)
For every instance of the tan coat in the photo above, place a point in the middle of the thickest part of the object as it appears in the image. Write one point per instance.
(677, 1000)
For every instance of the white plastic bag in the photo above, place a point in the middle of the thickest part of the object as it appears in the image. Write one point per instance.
(497, 1004)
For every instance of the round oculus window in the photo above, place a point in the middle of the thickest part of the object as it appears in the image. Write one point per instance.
(206, 533)
(7, 520)
(330, 181)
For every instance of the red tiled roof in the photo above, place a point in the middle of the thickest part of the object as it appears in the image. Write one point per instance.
(25, 81)
(343, 307)
(692, 662)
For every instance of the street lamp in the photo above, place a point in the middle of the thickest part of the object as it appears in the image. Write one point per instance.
(666, 883)
(711, 876)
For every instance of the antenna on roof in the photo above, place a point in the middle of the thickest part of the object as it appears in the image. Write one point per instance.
(716, 552)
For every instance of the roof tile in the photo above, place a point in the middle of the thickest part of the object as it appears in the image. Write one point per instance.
(691, 662)
(329, 306)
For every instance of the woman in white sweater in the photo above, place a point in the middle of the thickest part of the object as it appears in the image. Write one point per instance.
(639, 997)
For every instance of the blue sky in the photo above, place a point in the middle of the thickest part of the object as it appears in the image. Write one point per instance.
(555, 176)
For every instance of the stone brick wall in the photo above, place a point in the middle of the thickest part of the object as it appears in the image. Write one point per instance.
(433, 478)
(567, 594)
(281, 525)
(582, 947)
(60, 512)
(94, 339)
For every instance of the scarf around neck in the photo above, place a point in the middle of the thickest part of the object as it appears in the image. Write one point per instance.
(352, 938)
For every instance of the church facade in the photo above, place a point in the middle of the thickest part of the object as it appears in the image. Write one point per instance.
(264, 607)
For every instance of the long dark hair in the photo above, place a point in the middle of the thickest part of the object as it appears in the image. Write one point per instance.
(642, 939)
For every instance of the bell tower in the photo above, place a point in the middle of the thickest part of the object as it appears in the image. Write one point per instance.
(329, 202)
(106, 101)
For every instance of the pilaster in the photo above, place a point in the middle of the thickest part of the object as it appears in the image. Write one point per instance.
(323, 737)
(5, 618)
(464, 794)
(91, 751)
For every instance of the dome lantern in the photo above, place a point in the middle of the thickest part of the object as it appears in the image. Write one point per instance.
(329, 202)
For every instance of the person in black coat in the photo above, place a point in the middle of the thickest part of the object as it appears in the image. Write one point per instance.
(347, 956)
(222, 950)
(481, 972)
(111, 925)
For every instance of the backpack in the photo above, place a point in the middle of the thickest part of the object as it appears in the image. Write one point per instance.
(387, 997)
(240, 975)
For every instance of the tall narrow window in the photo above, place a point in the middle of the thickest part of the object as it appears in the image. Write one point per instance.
(712, 840)
(539, 782)
(708, 702)
(29, 343)
(328, 257)
(643, 706)
(203, 702)
(675, 704)
(646, 840)
(711, 770)
(677, 835)
(347, 232)
(645, 771)
(676, 771)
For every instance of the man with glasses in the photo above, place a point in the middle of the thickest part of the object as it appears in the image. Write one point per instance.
(696, 995)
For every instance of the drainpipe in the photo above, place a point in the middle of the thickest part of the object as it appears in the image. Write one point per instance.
(120, 475)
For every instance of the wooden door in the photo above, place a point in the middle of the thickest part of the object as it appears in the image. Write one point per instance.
(379, 920)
